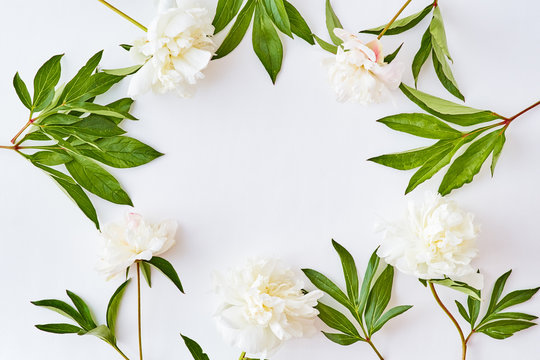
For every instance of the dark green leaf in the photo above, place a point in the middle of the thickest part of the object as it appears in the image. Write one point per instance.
(61, 308)
(444, 73)
(126, 47)
(514, 298)
(459, 286)
(466, 166)
(50, 158)
(114, 306)
(392, 313)
(59, 119)
(147, 273)
(332, 22)
(421, 56)
(101, 82)
(436, 27)
(35, 135)
(195, 349)
(503, 329)
(509, 315)
(22, 91)
(474, 309)
(422, 125)
(336, 320)
(238, 30)
(121, 106)
(497, 291)
(77, 86)
(378, 298)
(447, 110)
(59, 328)
(95, 125)
(342, 339)
(276, 10)
(325, 46)
(225, 12)
(371, 269)
(166, 268)
(390, 57)
(412, 159)
(323, 283)
(97, 180)
(401, 25)
(83, 309)
(299, 26)
(462, 311)
(349, 271)
(44, 82)
(266, 43)
(497, 150)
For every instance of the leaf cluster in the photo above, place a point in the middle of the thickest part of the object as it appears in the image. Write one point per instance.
(366, 302)
(162, 265)
(433, 42)
(497, 323)
(269, 17)
(479, 142)
(81, 314)
(70, 130)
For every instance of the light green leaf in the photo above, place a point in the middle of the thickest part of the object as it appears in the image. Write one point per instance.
(342, 339)
(497, 150)
(123, 71)
(421, 56)
(195, 349)
(336, 320)
(447, 110)
(59, 328)
(371, 269)
(459, 286)
(83, 309)
(444, 73)
(94, 125)
(422, 125)
(238, 30)
(266, 43)
(323, 283)
(22, 91)
(412, 159)
(436, 28)
(325, 46)
(45, 80)
(114, 306)
(50, 158)
(86, 107)
(104, 334)
(332, 22)
(390, 314)
(401, 25)
(349, 271)
(378, 298)
(59, 119)
(98, 84)
(299, 26)
(276, 10)
(147, 273)
(166, 268)
(226, 11)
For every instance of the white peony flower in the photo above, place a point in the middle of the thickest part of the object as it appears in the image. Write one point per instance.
(437, 239)
(131, 240)
(359, 73)
(177, 47)
(262, 305)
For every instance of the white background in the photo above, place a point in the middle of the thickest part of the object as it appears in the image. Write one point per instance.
(255, 169)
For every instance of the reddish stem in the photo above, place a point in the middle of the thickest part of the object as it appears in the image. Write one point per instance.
(30, 122)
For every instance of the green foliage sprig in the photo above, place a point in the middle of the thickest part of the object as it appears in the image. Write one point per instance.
(68, 129)
(366, 303)
(269, 17)
(480, 141)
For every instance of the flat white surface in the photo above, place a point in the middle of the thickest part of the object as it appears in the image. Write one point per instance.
(255, 169)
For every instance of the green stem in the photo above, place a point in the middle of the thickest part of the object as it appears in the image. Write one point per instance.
(120, 352)
(242, 355)
(124, 15)
(393, 19)
(462, 337)
(358, 318)
(139, 309)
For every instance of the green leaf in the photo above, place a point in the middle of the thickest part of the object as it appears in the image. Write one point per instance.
(336, 320)
(462, 311)
(83, 309)
(238, 30)
(61, 308)
(392, 313)
(422, 125)
(50, 158)
(120, 152)
(59, 328)
(299, 26)
(266, 43)
(166, 268)
(325, 46)
(349, 271)
(226, 11)
(276, 10)
(459, 286)
(77, 86)
(147, 273)
(497, 150)
(412, 159)
(103, 333)
(126, 47)
(121, 106)
(73, 191)
(510, 315)
(22, 91)
(97, 180)
(466, 166)
(86, 107)
(447, 110)
(114, 306)
(497, 291)
(515, 298)
(321, 282)
(378, 298)
(59, 119)
(342, 339)
(444, 73)
(35, 135)
(95, 125)
(390, 57)
(45, 80)
(474, 310)
(436, 28)
(371, 269)
(195, 349)
(401, 25)
(123, 71)
(100, 83)
(332, 22)
(503, 329)
(421, 56)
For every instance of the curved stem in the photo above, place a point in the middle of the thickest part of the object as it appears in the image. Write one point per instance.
(120, 352)
(30, 122)
(469, 336)
(522, 112)
(139, 308)
(124, 15)
(393, 19)
(462, 337)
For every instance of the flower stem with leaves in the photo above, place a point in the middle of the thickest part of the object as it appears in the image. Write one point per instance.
(393, 19)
